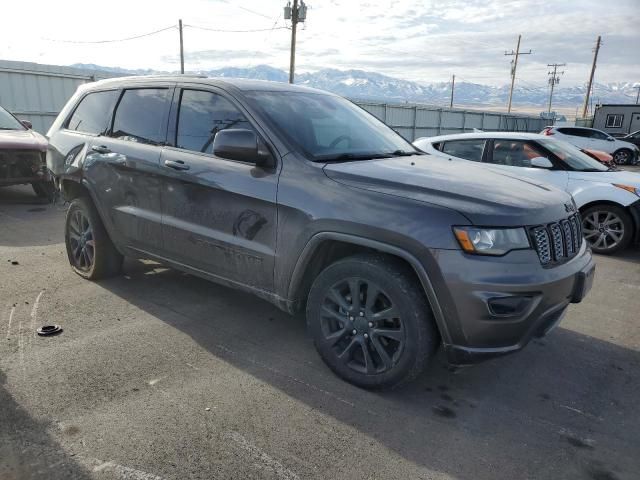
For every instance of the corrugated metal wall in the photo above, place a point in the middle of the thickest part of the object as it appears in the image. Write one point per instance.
(38, 92)
(415, 121)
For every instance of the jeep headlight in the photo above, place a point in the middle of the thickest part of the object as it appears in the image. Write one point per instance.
(491, 241)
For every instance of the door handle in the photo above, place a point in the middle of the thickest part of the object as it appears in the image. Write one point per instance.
(176, 164)
(102, 149)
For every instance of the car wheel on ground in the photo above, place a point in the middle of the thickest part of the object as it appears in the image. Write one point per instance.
(44, 190)
(89, 248)
(607, 228)
(371, 322)
(622, 156)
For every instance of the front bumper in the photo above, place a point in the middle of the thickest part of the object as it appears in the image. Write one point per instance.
(23, 166)
(496, 305)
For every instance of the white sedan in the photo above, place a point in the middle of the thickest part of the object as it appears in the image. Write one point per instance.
(608, 200)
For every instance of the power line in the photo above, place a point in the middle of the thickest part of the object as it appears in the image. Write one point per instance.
(114, 40)
(555, 79)
(235, 31)
(296, 13)
(593, 71)
(514, 66)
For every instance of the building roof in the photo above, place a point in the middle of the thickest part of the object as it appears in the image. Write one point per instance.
(618, 105)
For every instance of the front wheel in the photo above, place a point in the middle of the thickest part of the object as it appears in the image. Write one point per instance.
(370, 321)
(622, 156)
(89, 248)
(607, 228)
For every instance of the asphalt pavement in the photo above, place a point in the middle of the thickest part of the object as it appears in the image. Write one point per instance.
(161, 375)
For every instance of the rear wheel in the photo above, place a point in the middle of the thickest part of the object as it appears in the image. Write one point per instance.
(622, 156)
(371, 322)
(89, 248)
(607, 228)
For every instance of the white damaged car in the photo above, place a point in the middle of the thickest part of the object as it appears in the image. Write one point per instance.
(608, 200)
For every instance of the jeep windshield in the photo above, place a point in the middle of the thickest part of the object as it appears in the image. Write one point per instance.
(329, 128)
(572, 157)
(9, 122)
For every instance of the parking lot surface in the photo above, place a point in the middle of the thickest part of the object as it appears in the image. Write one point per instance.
(161, 375)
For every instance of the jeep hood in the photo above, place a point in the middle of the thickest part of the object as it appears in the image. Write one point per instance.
(485, 197)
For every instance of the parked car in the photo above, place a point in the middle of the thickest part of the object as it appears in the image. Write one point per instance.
(22, 156)
(622, 152)
(308, 201)
(632, 138)
(609, 201)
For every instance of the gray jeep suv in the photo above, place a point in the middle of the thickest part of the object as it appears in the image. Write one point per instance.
(304, 199)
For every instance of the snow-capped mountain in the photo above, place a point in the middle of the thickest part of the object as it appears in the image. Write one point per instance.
(363, 85)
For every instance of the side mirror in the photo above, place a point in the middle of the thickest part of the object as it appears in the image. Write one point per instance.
(611, 139)
(541, 162)
(243, 145)
(27, 124)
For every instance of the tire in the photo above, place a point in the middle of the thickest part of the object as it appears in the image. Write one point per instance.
(89, 249)
(406, 333)
(46, 190)
(623, 156)
(607, 228)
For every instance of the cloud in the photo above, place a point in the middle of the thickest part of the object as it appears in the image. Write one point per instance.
(204, 56)
(423, 40)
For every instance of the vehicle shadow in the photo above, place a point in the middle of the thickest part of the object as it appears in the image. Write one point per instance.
(20, 195)
(26, 450)
(26, 220)
(565, 407)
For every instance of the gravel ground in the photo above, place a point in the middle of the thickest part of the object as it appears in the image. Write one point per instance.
(160, 375)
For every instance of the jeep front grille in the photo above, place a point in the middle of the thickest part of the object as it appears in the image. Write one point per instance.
(557, 242)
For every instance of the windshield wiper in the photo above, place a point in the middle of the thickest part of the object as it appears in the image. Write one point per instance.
(404, 153)
(347, 157)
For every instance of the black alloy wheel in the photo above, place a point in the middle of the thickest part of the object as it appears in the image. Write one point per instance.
(371, 322)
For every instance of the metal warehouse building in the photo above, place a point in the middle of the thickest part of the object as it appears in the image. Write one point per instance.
(617, 118)
(37, 92)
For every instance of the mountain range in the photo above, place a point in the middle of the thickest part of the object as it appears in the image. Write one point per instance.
(363, 85)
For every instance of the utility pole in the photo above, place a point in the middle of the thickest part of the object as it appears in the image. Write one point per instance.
(593, 71)
(637, 87)
(295, 14)
(514, 66)
(555, 79)
(181, 47)
(453, 83)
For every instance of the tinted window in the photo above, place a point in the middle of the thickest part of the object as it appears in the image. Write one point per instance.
(140, 116)
(576, 132)
(515, 153)
(327, 127)
(202, 115)
(598, 135)
(92, 114)
(467, 149)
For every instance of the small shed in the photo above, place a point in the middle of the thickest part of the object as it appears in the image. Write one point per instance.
(617, 118)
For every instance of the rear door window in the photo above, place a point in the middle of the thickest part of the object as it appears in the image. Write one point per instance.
(576, 132)
(93, 112)
(467, 149)
(141, 116)
(201, 116)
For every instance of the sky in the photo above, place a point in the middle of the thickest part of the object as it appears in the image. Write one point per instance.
(425, 41)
